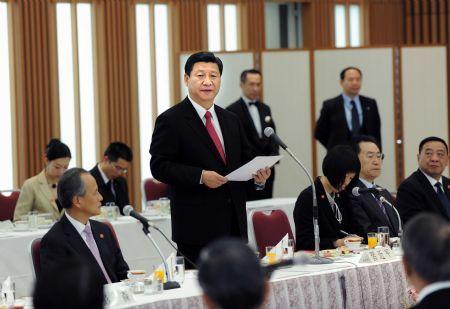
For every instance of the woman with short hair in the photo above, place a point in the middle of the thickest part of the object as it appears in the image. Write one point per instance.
(38, 193)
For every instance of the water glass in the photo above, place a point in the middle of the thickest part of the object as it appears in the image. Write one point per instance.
(33, 220)
(288, 251)
(164, 203)
(178, 273)
(383, 236)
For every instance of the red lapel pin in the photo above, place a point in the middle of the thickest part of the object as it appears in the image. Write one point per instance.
(102, 236)
(448, 187)
(322, 196)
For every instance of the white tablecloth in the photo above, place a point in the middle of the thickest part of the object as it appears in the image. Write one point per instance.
(286, 204)
(138, 251)
(343, 284)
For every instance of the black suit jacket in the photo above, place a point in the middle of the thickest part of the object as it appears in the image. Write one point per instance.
(63, 242)
(368, 216)
(329, 226)
(181, 148)
(416, 194)
(260, 146)
(120, 187)
(332, 128)
(436, 300)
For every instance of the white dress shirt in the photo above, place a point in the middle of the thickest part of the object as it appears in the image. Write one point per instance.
(201, 111)
(79, 227)
(254, 113)
(348, 110)
(431, 288)
(433, 181)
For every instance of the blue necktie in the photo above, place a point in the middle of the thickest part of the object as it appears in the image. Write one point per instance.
(355, 119)
(443, 198)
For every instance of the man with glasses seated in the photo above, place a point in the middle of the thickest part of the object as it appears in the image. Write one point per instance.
(110, 172)
(369, 210)
(426, 190)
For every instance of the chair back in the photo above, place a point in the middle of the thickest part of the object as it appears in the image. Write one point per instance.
(35, 252)
(270, 226)
(8, 204)
(154, 189)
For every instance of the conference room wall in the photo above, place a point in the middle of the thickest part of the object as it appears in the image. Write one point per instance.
(287, 91)
(376, 65)
(424, 97)
(233, 64)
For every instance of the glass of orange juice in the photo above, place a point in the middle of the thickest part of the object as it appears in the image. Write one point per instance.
(372, 240)
(158, 273)
(271, 255)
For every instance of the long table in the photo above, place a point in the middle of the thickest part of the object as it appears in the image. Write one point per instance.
(343, 284)
(138, 251)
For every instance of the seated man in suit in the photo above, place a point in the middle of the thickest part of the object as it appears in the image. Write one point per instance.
(110, 172)
(369, 212)
(231, 276)
(349, 114)
(426, 189)
(75, 236)
(255, 116)
(426, 252)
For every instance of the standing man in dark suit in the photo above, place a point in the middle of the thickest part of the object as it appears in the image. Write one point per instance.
(194, 145)
(349, 114)
(426, 252)
(369, 212)
(255, 116)
(426, 189)
(110, 172)
(74, 236)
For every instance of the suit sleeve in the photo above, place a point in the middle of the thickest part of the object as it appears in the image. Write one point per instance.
(53, 253)
(304, 229)
(408, 201)
(164, 151)
(121, 267)
(322, 131)
(25, 201)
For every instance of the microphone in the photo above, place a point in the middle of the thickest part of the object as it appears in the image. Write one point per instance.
(129, 211)
(270, 133)
(357, 191)
(302, 259)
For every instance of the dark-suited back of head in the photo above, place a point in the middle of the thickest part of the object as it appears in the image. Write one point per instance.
(231, 276)
(426, 247)
(69, 286)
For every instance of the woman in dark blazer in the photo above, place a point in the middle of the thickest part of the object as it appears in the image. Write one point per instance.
(339, 167)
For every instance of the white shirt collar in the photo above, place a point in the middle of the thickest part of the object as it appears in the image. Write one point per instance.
(367, 183)
(246, 100)
(431, 288)
(104, 177)
(201, 111)
(432, 180)
(76, 224)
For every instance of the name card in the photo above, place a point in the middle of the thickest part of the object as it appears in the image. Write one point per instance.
(117, 294)
(377, 255)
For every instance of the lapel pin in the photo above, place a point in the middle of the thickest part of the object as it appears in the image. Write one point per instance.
(102, 236)
(448, 187)
(267, 119)
(322, 196)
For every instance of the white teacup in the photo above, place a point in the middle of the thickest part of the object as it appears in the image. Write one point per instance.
(353, 244)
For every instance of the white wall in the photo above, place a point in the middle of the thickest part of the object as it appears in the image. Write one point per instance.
(287, 92)
(425, 99)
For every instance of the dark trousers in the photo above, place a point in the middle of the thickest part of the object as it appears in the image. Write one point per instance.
(192, 252)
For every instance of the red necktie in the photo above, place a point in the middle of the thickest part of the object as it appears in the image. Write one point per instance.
(213, 134)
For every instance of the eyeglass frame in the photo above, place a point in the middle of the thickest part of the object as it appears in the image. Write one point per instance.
(119, 169)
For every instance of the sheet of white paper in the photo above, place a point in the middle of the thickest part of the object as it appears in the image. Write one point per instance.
(246, 172)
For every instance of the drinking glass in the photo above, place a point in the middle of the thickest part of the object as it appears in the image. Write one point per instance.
(178, 273)
(383, 236)
(271, 255)
(372, 240)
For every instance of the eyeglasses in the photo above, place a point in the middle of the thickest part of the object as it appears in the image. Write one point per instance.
(374, 155)
(119, 169)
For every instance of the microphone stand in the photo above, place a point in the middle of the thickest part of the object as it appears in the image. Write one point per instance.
(400, 229)
(317, 259)
(170, 284)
